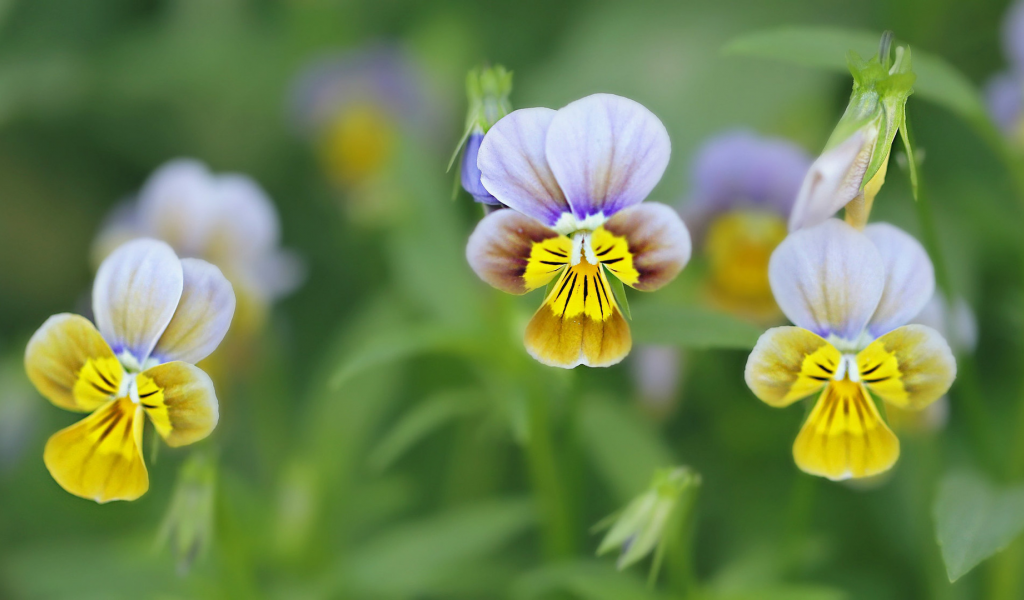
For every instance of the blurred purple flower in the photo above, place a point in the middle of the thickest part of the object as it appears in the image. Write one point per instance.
(1005, 96)
(740, 169)
(1013, 35)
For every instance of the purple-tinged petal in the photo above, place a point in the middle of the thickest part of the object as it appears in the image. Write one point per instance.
(833, 180)
(909, 277)
(470, 175)
(202, 317)
(514, 168)
(177, 205)
(1004, 94)
(742, 170)
(607, 153)
(136, 291)
(248, 225)
(1013, 34)
(828, 279)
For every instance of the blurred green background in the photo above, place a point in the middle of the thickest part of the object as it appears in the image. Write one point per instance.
(389, 437)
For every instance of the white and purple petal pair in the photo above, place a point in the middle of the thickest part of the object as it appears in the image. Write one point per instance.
(224, 218)
(840, 283)
(574, 168)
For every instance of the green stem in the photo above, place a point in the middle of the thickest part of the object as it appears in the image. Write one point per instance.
(544, 473)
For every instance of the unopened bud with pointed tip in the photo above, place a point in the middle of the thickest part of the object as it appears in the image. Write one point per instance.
(488, 90)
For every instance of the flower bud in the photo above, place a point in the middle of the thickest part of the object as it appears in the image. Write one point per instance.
(851, 170)
(188, 525)
(488, 90)
(647, 521)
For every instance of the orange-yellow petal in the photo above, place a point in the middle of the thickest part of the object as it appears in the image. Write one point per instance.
(69, 362)
(789, 363)
(180, 400)
(579, 322)
(100, 457)
(844, 436)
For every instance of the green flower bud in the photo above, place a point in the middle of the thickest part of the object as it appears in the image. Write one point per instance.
(648, 520)
(188, 525)
(488, 90)
(852, 167)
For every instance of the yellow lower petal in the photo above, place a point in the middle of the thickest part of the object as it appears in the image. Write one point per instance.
(100, 457)
(579, 322)
(844, 436)
(180, 400)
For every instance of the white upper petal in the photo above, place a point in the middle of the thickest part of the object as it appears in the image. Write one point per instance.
(607, 153)
(909, 277)
(136, 291)
(248, 225)
(202, 317)
(828, 279)
(833, 180)
(514, 168)
(178, 205)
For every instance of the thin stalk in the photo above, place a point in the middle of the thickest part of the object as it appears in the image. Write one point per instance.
(547, 483)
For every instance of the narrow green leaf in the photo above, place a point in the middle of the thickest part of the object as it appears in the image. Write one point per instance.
(692, 327)
(974, 520)
(421, 421)
(620, 293)
(624, 449)
(827, 47)
(413, 556)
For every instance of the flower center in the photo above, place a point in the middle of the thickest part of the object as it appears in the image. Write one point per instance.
(582, 247)
(847, 369)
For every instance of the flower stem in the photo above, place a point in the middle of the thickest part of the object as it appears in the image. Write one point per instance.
(547, 484)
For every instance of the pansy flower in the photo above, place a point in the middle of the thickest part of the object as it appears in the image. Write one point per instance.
(574, 179)
(226, 219)
(354, 105)
(1005, 91)
(849, 295)
(156, 316)
(743, 189)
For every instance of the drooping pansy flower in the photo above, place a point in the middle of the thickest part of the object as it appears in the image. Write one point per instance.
(226, 219)
(354, 106)
(743, 189)
(156, 316)
(574, 179)
(1005, 91)
(850, 295)
(851, 170)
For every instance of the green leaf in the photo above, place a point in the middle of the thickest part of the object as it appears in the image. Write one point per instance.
(620, 293)
(391, 346)
(974, 520)
(827, 47)
(625, 450)
(412, 557)
(422, 420)
(692, 327)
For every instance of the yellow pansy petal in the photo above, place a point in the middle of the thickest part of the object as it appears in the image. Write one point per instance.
(909, 367)
(645, 246)
(100, 457)
(844, 436)
(180, 400)
(516, 253)
(579, 322)
(69, 363)
(789, 363)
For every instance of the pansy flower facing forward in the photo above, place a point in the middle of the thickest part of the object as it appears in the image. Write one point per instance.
(574, 179)
(156, 316)
(850, 295)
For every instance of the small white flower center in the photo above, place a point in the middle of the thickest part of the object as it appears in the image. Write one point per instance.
(847, 368)
(582, 248)
(130, 368)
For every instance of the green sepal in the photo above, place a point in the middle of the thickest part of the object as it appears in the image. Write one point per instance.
(488, 89)
(881, 87)
(911, 158)
(620, 292)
